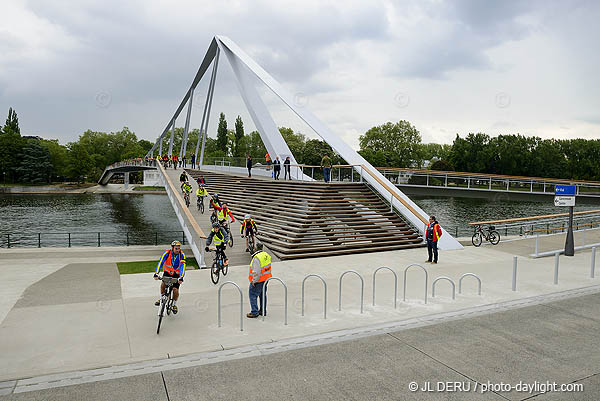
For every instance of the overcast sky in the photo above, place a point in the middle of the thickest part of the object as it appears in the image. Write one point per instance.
(499, 67)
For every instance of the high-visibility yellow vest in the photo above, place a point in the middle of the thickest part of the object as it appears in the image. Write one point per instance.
(265, 267)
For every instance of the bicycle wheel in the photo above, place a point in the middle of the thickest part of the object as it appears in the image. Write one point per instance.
(230, 236)
(476, 240)
(160, 316)
(202, 207)
(494, 237)
(251, 244)
(214, 272)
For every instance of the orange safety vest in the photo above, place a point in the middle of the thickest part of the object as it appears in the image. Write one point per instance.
(267, 157)
(168, 265)
(437, 231)
(265, 267)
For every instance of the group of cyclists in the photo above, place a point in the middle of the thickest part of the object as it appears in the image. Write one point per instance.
(173, 262)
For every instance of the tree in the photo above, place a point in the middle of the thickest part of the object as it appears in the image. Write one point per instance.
(399, 142)
(471, 154)
(441, 165)
(295, 141)
(222, 133)
(314, 149)
(12, 122)
(58, 157)
(239, 134)
(35, 164)
(80, 162)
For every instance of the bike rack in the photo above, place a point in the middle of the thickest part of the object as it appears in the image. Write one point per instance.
(472, 275)
(362, 289)
(241, 303)
(426, 279)
(324, 297)
(263, 296)
(395, 284)
(447, 279)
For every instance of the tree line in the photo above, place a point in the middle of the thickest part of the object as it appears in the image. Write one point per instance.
(30, 159)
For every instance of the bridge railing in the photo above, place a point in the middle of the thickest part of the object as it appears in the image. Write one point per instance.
(89, 238)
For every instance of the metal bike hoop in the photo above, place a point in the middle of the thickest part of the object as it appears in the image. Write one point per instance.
(447, 279)
(362, 289)
(263, 297)
(241, 303)
(324, 296)
(395, 284)
(472, 275)
(426, 279)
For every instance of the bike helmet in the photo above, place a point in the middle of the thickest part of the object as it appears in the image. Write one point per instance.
(175, 243)
(247, 217)
(216, 195)
(259, 246)
(216, 225)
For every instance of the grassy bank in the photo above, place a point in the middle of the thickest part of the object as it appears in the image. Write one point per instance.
(149, 266)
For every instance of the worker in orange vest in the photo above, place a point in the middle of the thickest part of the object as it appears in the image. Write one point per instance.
(260, 272)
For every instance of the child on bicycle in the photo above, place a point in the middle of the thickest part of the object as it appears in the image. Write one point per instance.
(248, 228)
(220, 238)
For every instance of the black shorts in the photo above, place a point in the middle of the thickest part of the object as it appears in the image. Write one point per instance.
(249, 231)
(166, 274)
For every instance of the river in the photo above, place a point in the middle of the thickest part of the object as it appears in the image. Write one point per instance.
(48, 219)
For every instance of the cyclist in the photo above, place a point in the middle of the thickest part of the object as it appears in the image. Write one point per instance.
(215, 201)
(187, 190)
(221, 238)
(222, 214)
(248, 229)
(183, 179)
(200, 180)
(201, 192)
(173, 264)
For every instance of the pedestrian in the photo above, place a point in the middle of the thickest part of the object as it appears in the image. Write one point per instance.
(184, 161)
(260, 272)
(268, 161)
(276, 168)
(193, 160)
(249, 165)
(286, 168)
(433, 232)
(326, 164)
(175, 161)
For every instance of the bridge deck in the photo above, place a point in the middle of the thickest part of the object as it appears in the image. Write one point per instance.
(309, 219)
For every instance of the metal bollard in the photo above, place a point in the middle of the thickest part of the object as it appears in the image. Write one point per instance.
(472, 275)
(514, 275)
(426, 279)
(263, 297)
(443, 278)
(362, 289)
(537, 242)
(324, 296)
(241, 303)
(395, 284)
(593, 268)
(556, 261)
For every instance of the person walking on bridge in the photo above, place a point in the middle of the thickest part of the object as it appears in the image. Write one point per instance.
(172, 263)
(276, 168)
(249, 166)
(193, 160)
(286, 168)
(260, 272)
(326, 164)
(433, 232)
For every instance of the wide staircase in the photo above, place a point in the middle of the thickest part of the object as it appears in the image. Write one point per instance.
(311, 219)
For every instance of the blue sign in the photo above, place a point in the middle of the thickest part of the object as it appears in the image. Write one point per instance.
(568, 190)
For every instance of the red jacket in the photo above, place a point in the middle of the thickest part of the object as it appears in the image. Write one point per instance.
(437, 231)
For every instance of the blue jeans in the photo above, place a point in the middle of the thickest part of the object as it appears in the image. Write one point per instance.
(255, 291)
(326, 174)
(432, 248)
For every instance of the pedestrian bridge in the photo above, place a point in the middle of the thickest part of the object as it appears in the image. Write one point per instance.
(124, 167)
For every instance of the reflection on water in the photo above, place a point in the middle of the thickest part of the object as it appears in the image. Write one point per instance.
(455, 213)
(113, 215)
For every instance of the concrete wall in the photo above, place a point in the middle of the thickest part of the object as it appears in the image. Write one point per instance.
(152, 178)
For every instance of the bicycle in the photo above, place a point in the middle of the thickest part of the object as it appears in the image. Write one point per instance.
(218, 266)
(490, 235)
(166, 300)
(251, 243)
(227, 226)
(186, 196)
(200, 204)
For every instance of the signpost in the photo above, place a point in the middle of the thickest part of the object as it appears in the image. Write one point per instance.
(565, 196)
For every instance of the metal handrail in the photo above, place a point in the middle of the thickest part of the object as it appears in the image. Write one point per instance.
(471, 275)
(263, 297)
(324, 297)
(241, 303)
(443, 278)
(362, 289)
(395, 284)
(426, 279)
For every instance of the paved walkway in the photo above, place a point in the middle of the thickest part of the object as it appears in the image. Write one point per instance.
(54, 328)
(546, 342)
